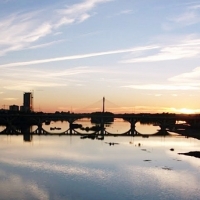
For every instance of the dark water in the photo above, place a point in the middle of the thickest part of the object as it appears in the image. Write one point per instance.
(67, 167)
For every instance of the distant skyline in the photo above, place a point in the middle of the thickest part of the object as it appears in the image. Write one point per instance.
(141, 55)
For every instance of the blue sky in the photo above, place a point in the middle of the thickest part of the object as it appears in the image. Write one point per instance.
(141, 55)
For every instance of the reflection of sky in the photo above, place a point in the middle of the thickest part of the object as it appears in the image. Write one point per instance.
(2, 128)
(146, 129)
(117, 127)
(13, 186)
(53, 167)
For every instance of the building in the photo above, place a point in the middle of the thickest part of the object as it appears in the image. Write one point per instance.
(28, 102)
(14, 108)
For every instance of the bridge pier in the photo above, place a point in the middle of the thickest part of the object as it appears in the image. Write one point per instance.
(40, 129)
(132, 131)
(70, 129)
(71, 121)
(163, 127)
(132, 122)
(25, 129)
(164, 124)
(102, 127)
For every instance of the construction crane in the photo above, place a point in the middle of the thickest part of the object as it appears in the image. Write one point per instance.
(32, 95)
(4, 106)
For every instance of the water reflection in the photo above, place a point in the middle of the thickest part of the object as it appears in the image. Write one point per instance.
(146, 129)
(14, 186)
(86, 126)
(118, 126)
(66, 167)
(2, 128)
(27, 137)
(56, 127)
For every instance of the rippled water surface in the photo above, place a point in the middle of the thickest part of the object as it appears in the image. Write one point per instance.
(67, 167)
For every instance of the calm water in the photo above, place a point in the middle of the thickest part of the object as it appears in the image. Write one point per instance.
(67, 167)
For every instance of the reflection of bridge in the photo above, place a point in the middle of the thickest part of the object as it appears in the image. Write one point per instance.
(18, 123)
(98, 135)
(21, 123)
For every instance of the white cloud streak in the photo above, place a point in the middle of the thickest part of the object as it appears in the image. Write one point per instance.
(81, 56)
(45, 44)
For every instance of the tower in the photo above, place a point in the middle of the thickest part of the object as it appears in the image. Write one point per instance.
(28, 101)
(103, 104)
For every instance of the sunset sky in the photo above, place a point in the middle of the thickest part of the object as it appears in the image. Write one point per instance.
(143, 56)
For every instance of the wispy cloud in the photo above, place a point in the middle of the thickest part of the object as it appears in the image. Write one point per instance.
(184, 82)
(174, 95)
(20, 30)
(194, 7)
(78, 12)
(81, 56)
(162, 87)
(12, 79)
(189, 16)
(28, 85)
(150, 109)
(186, 19)
(189, 77)
(10, 99)
(125, 12)
(70, 72)
(185, 49)
(122, 12)
(45, 44)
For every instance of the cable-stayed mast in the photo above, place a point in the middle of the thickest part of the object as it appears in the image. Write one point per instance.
(103, 104)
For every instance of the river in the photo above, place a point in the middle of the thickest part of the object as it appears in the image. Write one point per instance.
(123, 167)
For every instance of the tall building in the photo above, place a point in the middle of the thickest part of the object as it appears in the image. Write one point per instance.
(28, 101)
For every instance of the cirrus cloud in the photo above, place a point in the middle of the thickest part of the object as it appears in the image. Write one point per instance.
(22, 29)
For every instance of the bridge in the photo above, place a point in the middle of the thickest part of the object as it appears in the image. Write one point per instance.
(20, 123)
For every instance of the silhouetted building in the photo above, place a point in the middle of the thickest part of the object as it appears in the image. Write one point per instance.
(23, 109)
(28, 102)
(14, 108)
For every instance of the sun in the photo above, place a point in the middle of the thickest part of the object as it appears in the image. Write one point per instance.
(186, 111)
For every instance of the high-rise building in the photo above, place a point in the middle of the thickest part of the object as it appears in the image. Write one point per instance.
(28, 101)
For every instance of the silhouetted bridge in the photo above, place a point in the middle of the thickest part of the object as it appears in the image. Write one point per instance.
(18, 123)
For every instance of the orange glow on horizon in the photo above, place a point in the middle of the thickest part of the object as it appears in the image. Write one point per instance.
(120, 110)
(185, 110)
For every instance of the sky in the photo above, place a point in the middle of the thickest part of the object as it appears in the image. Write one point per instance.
(142, 56)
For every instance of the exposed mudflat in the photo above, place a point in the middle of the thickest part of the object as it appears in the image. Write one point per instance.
(195, 154)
